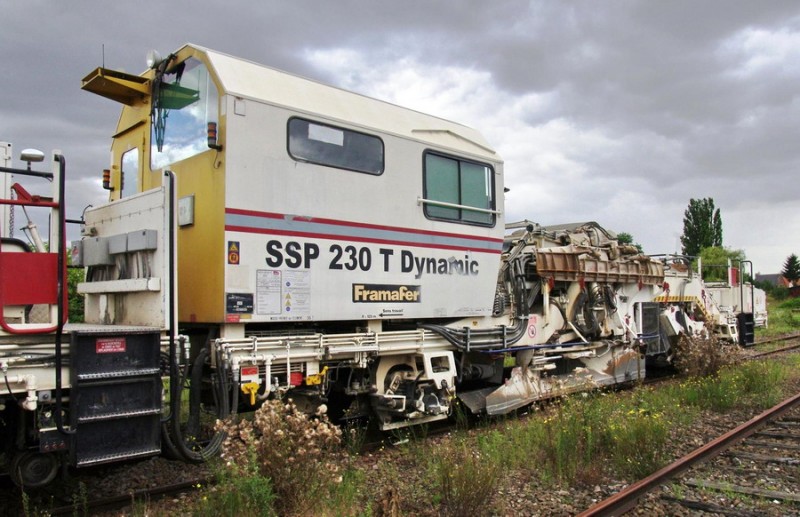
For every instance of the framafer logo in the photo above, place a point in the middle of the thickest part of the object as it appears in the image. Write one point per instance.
(376, 293)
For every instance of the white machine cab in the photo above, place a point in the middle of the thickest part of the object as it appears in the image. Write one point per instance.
(300, 201)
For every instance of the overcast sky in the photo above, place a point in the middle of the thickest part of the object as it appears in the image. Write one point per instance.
(613, 111)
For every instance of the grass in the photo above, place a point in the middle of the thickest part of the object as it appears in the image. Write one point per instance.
(248, 494)
(784, 317)
(585, 439)
(458, 471)
(756, 383)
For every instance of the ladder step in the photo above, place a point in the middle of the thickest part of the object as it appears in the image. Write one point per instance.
(108, 458)
(117, 374)
(118, 416)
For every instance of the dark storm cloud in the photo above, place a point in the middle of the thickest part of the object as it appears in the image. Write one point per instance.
(641, 104)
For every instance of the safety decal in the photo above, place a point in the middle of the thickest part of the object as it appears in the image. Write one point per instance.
(111, 345)
(233, 252)
(532, 321)
(239, 303)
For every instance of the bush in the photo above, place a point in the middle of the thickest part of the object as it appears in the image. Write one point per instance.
(779, 293)
(301, 456)
(697, 357)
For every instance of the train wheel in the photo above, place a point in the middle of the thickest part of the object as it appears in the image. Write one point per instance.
(34, 469)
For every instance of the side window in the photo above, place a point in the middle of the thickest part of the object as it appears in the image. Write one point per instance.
(335, 147)
(454, 187)
(130, 172)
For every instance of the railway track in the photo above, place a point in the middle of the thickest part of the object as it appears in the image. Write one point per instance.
(109, 504)
(727, 463)
(107, 489)
(787, 337)
(776, 351)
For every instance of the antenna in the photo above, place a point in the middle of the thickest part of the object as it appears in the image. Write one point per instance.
(104, 54)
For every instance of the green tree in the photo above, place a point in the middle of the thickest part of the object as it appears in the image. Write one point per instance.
(76, 301)
(715, 263)
(627, 238)
(791, 269)
(702, 226)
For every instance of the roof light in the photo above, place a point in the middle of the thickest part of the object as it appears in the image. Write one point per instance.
(153, 59)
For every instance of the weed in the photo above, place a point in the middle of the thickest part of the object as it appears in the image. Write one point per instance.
(571, 437)
(140, 508)
(83, 497)
(637, 439)
(354, 436)
(697, 357)
(246, 494)
(757, 381)
(459, 469)
(461, 415)
(301, 456)
(677, 490)
(498, 445)
(26, 503)
(761, 382)
(343, 497)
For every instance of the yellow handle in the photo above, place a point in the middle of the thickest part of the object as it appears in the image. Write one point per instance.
(252, 389)
(315, 379)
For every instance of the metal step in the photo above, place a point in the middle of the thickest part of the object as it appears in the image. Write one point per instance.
(115, 402)
(118, 416)
(109, 458)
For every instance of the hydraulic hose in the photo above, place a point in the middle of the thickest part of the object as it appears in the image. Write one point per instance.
(221, 395)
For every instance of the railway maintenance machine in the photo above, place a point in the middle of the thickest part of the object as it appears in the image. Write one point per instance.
(270, 236)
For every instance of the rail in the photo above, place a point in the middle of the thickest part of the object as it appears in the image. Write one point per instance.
(628, 498)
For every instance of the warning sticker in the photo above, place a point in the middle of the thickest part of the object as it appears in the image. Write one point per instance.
(532, 323)
(283, 293)
(233, 252)
(112, 345)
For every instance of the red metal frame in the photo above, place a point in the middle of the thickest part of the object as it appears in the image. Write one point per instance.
(30, 278)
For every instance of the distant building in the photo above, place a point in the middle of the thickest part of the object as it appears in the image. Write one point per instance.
(775, 279)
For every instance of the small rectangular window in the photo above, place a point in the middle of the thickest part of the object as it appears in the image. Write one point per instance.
(129, 172)
(462, 184)
(335, 147)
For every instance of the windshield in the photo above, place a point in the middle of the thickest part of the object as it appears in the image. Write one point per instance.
(186, 101)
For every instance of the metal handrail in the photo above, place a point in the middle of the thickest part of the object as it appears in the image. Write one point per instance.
(421, 200)
(60, 252)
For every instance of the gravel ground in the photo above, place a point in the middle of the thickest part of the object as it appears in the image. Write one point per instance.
(530, 496)
(523, 494)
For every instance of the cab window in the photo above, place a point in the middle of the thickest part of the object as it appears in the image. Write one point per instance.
(187, 101)
(458, 190)
(333, 146)
(130, 173)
